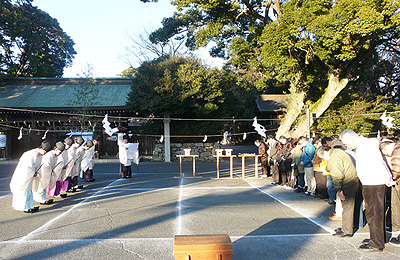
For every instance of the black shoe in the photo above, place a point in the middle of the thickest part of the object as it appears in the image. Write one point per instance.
(365, 241)
(28, 211)
(340, 233)
(369, 248)
(80, 186)
(331, 202)
(63, 195)
(395, 241)
(35, 209)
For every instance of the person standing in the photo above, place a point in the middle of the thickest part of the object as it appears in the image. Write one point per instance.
(126, 170)
(69, 165)
(87, 161)
(80, 153)
(306, 160)
(391, 149)
(374, 175)
(344, 178)
(46, 176)
(21, 182)
(273, 156)
(297, 152)
(58, 173)
(262, 151)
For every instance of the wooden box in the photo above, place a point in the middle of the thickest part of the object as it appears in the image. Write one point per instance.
(202, 247)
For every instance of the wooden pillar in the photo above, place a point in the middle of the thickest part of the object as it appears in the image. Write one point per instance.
(167, 140)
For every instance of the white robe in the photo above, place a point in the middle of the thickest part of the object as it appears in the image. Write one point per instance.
(123, 154)
(42, 180)
(60, 172)
(133, 152)
(92, 152)
(22, 179)
(71, 168)
(87, 161)
(80, 155)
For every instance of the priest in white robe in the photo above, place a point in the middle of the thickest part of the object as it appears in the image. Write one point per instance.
(22, 179)
(87, 161)
(69, 165)
(80, 153)
(126, 170)
(46, 174)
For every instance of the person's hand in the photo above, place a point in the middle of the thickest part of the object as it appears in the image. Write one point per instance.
(302, 163)
(36, 174)
(341, 195)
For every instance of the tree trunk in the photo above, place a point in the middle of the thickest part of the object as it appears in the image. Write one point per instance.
(295, 106)
(335, 85)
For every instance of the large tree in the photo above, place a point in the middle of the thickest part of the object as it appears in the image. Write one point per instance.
(314, 47)
(32, 43)
(183, 87)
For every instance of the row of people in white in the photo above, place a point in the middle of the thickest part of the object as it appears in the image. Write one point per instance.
(44, 171)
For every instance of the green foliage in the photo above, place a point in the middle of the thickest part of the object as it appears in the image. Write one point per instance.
(183, 87)
(32, 44)
(357, 113)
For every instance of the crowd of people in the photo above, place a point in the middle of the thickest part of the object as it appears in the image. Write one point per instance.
(359, 175)
(52, 171)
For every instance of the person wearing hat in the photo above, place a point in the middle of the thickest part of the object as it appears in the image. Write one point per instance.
(58, 171)
(45, 176)
(87, 160)
(96, 141)
(80, 153)
(69, 165)
(21, 182)
(126, 170)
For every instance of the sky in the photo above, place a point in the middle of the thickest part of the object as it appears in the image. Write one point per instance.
(101, 30)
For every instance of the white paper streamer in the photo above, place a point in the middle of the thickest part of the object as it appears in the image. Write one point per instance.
(259, 128)
(387, 121)
(205, 139)
(20, 133)
(244, 136)
(45, 133)
(110, 131)
(161, 139)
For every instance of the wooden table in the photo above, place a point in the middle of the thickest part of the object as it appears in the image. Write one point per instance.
(244, 163)
(230, 163)
(202, 247)
(194, 163)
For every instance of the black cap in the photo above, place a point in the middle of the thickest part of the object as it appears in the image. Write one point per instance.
(125, 137)
(46, 146)
(89, 143)
(96, 138)
(79, 140)
(68, 141)
(60, 146)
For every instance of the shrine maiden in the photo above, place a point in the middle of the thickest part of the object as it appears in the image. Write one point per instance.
(22, 179)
